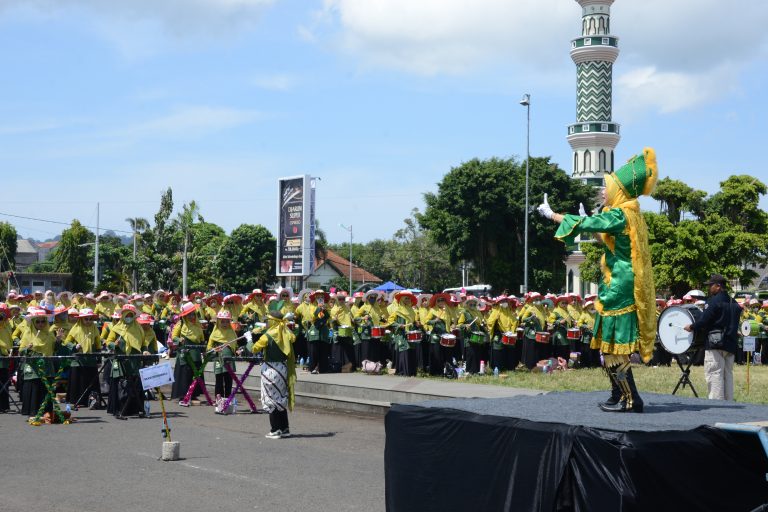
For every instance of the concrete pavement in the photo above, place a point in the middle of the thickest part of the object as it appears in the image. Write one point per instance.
(99, 464)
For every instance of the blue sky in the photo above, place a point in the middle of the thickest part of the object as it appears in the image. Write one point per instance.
(112, 102)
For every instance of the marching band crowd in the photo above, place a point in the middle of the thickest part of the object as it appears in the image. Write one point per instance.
(324, 332)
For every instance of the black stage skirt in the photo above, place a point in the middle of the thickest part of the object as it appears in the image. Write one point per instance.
(82, 381)
(182, 376)
(32, 395)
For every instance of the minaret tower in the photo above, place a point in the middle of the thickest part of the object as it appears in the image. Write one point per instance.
(595, 135)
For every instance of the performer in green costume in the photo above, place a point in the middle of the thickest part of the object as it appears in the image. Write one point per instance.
(625, 321)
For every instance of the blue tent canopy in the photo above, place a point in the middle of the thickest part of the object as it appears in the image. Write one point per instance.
(389, 286)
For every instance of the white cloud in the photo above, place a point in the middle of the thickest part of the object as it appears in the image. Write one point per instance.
(693, 48)
(194, 121)
(179, 18)
(276, 82)
(448, 36)
(667, 91)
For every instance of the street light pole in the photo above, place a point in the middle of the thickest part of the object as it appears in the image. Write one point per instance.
(526, 102)
(350, 255)
(96, 254)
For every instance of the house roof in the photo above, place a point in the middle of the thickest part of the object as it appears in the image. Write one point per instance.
(48, 245)
(341, 265)
(25, 246)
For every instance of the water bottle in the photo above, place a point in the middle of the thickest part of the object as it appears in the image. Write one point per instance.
(757, 358)
(482, 367)
(234, 404)
(454, 362)
(495, 371)
(67, 408)
(301, 361)
(146, 408)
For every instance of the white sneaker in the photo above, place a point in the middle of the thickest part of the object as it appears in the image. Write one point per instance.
(277, 434)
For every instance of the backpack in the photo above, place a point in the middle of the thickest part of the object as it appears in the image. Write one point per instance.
(371, 367)
(449, 371)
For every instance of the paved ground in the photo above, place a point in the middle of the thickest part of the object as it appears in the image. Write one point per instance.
(333, 462)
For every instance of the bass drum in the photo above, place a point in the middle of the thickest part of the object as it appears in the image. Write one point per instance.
(672, 335)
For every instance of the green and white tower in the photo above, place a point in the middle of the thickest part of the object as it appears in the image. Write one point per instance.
(594, 135)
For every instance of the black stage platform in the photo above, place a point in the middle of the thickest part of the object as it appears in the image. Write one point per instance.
(560, 452)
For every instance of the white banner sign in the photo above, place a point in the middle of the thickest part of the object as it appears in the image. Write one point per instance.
(156, 376)
(749, 343)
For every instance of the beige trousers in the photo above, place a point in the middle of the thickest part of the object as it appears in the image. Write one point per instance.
(718, 370)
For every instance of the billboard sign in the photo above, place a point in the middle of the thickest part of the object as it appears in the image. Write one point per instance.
(296, 224)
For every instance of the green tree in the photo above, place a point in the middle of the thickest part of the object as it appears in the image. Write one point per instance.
(203, 258)
(739, 201)
(186, 218)
(676, 197)
(8, 245)
(71, 255)
(478, 216)
(369, 256)
(139, 225)
(114, 264)
(415, 260)
(157, 257)
(247, 259)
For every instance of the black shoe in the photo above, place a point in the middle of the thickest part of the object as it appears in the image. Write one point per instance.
(637, 406)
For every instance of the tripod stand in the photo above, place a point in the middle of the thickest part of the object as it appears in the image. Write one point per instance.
(685, 376)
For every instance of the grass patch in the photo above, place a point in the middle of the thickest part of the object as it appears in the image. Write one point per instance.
(660, 379)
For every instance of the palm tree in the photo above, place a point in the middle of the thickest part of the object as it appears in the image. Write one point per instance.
(139, 224)
(186, 218)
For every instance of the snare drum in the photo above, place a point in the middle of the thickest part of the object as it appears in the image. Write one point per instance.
(345, 331)
(509, 338)
(672, 335)
(377, 332)
(543, 337)
(413, 336)
(448, 340)
(477, 337)
(574, 334)
(750, 328)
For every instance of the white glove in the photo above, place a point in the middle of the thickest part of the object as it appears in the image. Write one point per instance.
(582, 211)
(545, 210)
(248, 336)
(289, 316)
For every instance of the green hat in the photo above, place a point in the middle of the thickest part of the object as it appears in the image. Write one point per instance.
(639, 175)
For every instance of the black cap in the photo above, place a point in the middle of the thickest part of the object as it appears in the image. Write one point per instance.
(716, 279)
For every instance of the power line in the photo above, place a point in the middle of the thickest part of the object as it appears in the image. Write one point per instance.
(64, 223)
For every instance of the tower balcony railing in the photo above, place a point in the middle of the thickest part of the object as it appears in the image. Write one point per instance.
(593, 127)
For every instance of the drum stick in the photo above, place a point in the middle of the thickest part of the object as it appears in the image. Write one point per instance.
(678, 326)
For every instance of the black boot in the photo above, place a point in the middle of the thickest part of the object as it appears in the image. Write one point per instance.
(637, 402)
(615, 389)
(630, 399)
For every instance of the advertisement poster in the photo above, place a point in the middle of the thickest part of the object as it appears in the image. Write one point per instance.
(295, 241)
